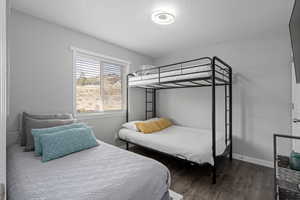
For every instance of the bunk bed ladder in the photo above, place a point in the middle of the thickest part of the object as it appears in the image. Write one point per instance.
(150, 98)
(228, 115)
(227, 110)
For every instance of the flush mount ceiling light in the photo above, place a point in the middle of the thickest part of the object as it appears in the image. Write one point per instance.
(162, 17)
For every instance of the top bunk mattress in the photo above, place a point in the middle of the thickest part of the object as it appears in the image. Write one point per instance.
(103, 172)
(183, 142)
(195, 73)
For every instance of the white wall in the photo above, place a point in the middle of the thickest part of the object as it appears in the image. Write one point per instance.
(261, 92)
(41, 71)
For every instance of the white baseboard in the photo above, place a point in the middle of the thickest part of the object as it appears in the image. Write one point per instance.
(252, 160)
(175, 196)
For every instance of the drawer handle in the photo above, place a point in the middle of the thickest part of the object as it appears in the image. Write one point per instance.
(298, 186)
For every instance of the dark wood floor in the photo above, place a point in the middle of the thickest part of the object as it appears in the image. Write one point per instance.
(236, 180)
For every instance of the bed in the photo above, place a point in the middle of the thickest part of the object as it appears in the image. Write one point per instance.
(183, 142)
(104, 172)
(200, 72)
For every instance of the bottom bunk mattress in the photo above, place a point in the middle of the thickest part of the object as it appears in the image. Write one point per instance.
(187, 143)
(104, 172)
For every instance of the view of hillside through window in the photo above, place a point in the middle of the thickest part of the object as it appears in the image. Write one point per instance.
(98, 86)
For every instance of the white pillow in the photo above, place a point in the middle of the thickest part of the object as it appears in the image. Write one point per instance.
(152, 119)
(131, 125)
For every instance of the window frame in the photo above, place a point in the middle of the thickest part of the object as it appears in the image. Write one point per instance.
(102, 58)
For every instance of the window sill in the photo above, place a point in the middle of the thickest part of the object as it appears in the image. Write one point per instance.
(100, 115)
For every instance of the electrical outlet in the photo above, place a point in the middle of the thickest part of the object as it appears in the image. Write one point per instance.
(2, 191)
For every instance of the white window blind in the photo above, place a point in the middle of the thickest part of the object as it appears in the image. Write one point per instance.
(112, 86)
(98, 84)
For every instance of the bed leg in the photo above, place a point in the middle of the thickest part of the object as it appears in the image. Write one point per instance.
(230, 152)
(127, 146)
(214, 174)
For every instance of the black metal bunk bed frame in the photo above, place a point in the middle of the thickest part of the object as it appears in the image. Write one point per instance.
(220, 74)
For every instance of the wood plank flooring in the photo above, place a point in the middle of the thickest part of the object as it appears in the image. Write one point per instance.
(236, 180)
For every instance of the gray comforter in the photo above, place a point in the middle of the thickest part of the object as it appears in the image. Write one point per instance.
(100, 173)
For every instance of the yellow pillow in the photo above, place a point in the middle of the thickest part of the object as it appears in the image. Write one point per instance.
(163, 123)
(148, 127)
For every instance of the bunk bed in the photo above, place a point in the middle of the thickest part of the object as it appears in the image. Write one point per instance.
(201, 72)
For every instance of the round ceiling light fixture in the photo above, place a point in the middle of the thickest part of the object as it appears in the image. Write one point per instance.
(162, 17)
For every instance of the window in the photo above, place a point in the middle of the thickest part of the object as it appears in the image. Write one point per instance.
(99, 83)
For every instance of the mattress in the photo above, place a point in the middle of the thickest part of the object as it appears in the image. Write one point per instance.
(175, 75)
(183, 142)
(100, 173)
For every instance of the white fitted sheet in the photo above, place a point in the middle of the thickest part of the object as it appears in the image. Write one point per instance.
(179, 74)
(183, 142)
